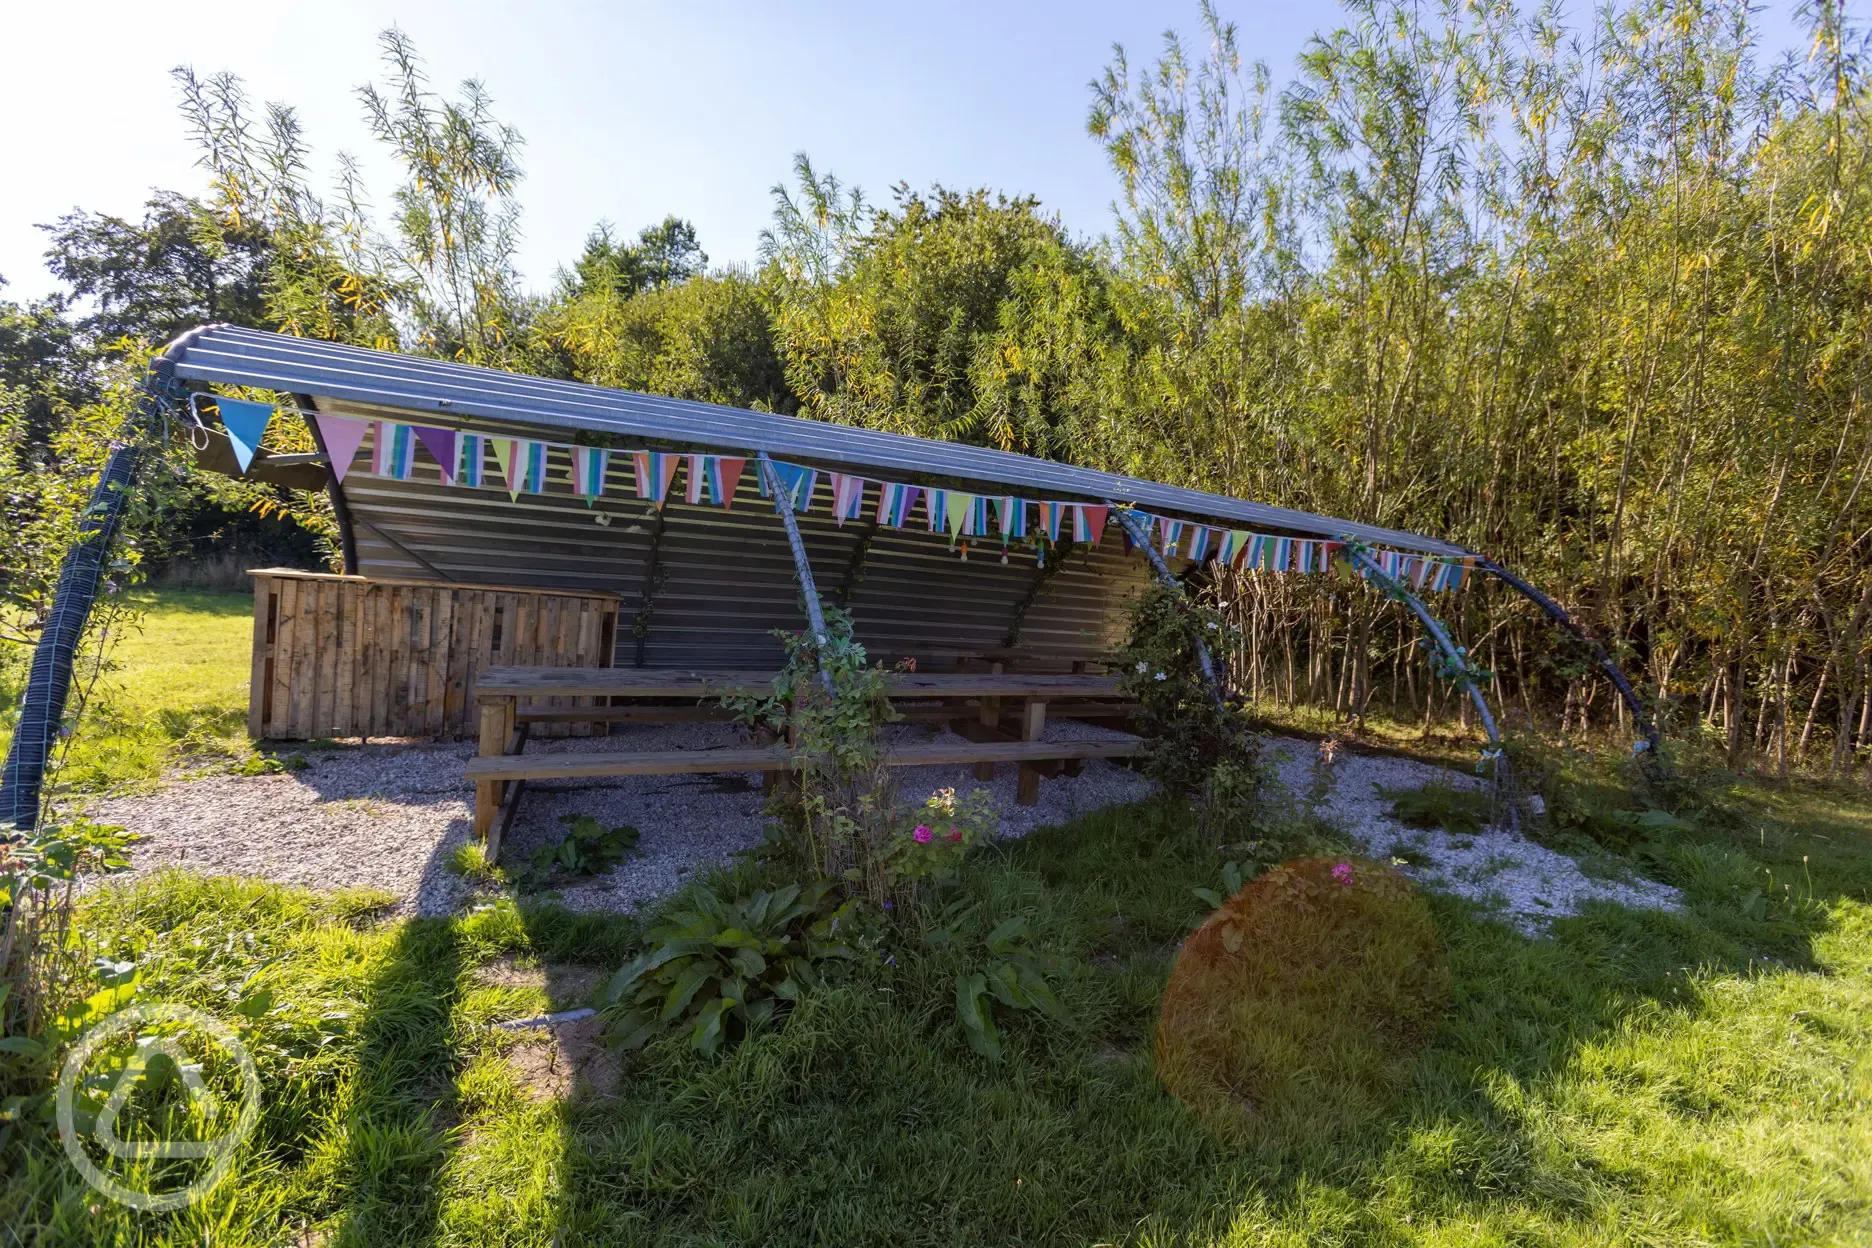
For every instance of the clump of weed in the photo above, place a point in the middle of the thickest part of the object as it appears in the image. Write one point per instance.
(589, 848)
(1461, 812)
(471, 862)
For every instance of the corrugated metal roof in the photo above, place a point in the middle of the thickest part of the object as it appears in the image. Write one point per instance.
(412, 385)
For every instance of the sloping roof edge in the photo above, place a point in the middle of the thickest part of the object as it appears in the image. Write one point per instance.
(233, 356)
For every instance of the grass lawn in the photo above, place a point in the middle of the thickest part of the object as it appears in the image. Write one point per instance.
(1670, 1079)
(179, 683)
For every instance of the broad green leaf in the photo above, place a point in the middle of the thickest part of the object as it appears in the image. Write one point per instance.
(683, 991)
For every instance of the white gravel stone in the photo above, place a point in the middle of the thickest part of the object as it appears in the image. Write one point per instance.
(1525, 883)
(390, 816)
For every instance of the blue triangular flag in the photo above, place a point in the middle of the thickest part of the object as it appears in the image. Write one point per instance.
(246, 423)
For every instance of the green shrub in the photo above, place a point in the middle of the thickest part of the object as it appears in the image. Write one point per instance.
(1004, 971)
(1464, 812)
(723, 969)
(589, 848)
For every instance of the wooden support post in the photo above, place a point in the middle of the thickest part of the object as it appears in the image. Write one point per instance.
(991, 721)
(494, 729)
(1033, 727)
(260, 685)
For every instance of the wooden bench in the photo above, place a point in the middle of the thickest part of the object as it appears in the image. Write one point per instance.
(494, 809)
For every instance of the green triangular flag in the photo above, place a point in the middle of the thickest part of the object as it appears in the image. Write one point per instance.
(504, 456)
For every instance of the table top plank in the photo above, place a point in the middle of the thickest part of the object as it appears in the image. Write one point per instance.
(652, 682)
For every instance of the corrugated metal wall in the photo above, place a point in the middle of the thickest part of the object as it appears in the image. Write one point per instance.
(725, 577)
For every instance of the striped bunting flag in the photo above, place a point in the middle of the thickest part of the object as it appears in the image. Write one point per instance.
(470, 456)
(1051, 515)
(895, 502)
(1170, 534)
(393, 450)
(1303, 557)
(717, 476)
(847, 496)
(1237, 546)
(655, 472)
(523, 464)
(936, 508)
(589, 464)
(1013, 516)
(1198, 546)
(1089, 523)
(1283, 554)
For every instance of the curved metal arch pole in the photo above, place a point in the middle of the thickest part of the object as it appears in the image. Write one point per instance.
(1140, 537)
(48, 682)
(815, 616)
(1641, 716)
(1368, 567)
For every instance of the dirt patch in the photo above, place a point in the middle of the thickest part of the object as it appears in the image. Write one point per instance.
(565, 1060)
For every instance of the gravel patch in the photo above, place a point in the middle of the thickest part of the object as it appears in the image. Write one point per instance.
(1524, 883)
(390, 816)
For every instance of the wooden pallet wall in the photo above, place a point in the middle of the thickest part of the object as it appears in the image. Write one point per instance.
(345, 656)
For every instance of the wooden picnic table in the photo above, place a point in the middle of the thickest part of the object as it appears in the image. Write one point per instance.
(504, 723)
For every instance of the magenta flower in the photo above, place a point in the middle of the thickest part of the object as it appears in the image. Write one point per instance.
(1342, 872)
(955, 836)
(922, 834)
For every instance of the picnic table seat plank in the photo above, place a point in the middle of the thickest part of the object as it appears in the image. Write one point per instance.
(508, 767)
(505, 683)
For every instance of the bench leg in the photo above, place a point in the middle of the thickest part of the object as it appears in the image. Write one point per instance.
(1033, 727)
(487, 805)
(991, 720)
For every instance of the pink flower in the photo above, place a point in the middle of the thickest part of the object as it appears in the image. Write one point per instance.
(955, 836)
(922, 834)
(1343, 873)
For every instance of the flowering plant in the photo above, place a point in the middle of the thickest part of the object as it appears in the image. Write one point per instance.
(931, 840)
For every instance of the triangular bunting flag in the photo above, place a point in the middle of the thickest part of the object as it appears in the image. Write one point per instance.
(724, 478)
(956, 508)
(246, 423)
(1198, 543)
(1089, 523)
(393, 451)
(847, 496)
(504, 457)
(342, 436)
(440, 443)
(895, 502)
(936, 508)
(655, 471)
(470, 457)
(799, 484)
(1013, 516)
(589, 465)
(1051, 516)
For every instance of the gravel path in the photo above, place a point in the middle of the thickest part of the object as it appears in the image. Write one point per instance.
(389, 817)
(1525, 883)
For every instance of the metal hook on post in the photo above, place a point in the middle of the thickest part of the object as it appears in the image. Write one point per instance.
(815, 615)
(1140, 537)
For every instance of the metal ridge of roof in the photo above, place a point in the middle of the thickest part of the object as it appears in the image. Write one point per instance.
(234, 356)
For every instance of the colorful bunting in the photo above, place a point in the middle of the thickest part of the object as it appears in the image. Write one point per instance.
(342, 436)
(523, 465)
(895, 502)
(799, 484)
(589, 465)
(1051, 515)
(470, 457)
(936, 508)
(847, 496)
(1013, 516)
(1198, 547)
(246, 423)
(716, 475)
(655, 471)
(956, 509)
(393, 451)
(440, 443)
(1089, 523)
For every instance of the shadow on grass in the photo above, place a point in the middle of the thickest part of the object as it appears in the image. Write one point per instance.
(400, 1127)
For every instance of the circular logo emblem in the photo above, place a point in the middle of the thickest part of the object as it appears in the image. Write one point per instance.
(204, 1105)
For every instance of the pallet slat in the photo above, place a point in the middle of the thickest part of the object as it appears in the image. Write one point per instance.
(348, 657)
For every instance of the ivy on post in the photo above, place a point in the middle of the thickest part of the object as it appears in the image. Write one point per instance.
(1140, 537)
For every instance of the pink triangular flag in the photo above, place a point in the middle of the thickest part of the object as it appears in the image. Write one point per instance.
(440, 443)
(342, 436)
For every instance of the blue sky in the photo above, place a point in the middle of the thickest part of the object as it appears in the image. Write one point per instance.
(630, 111)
